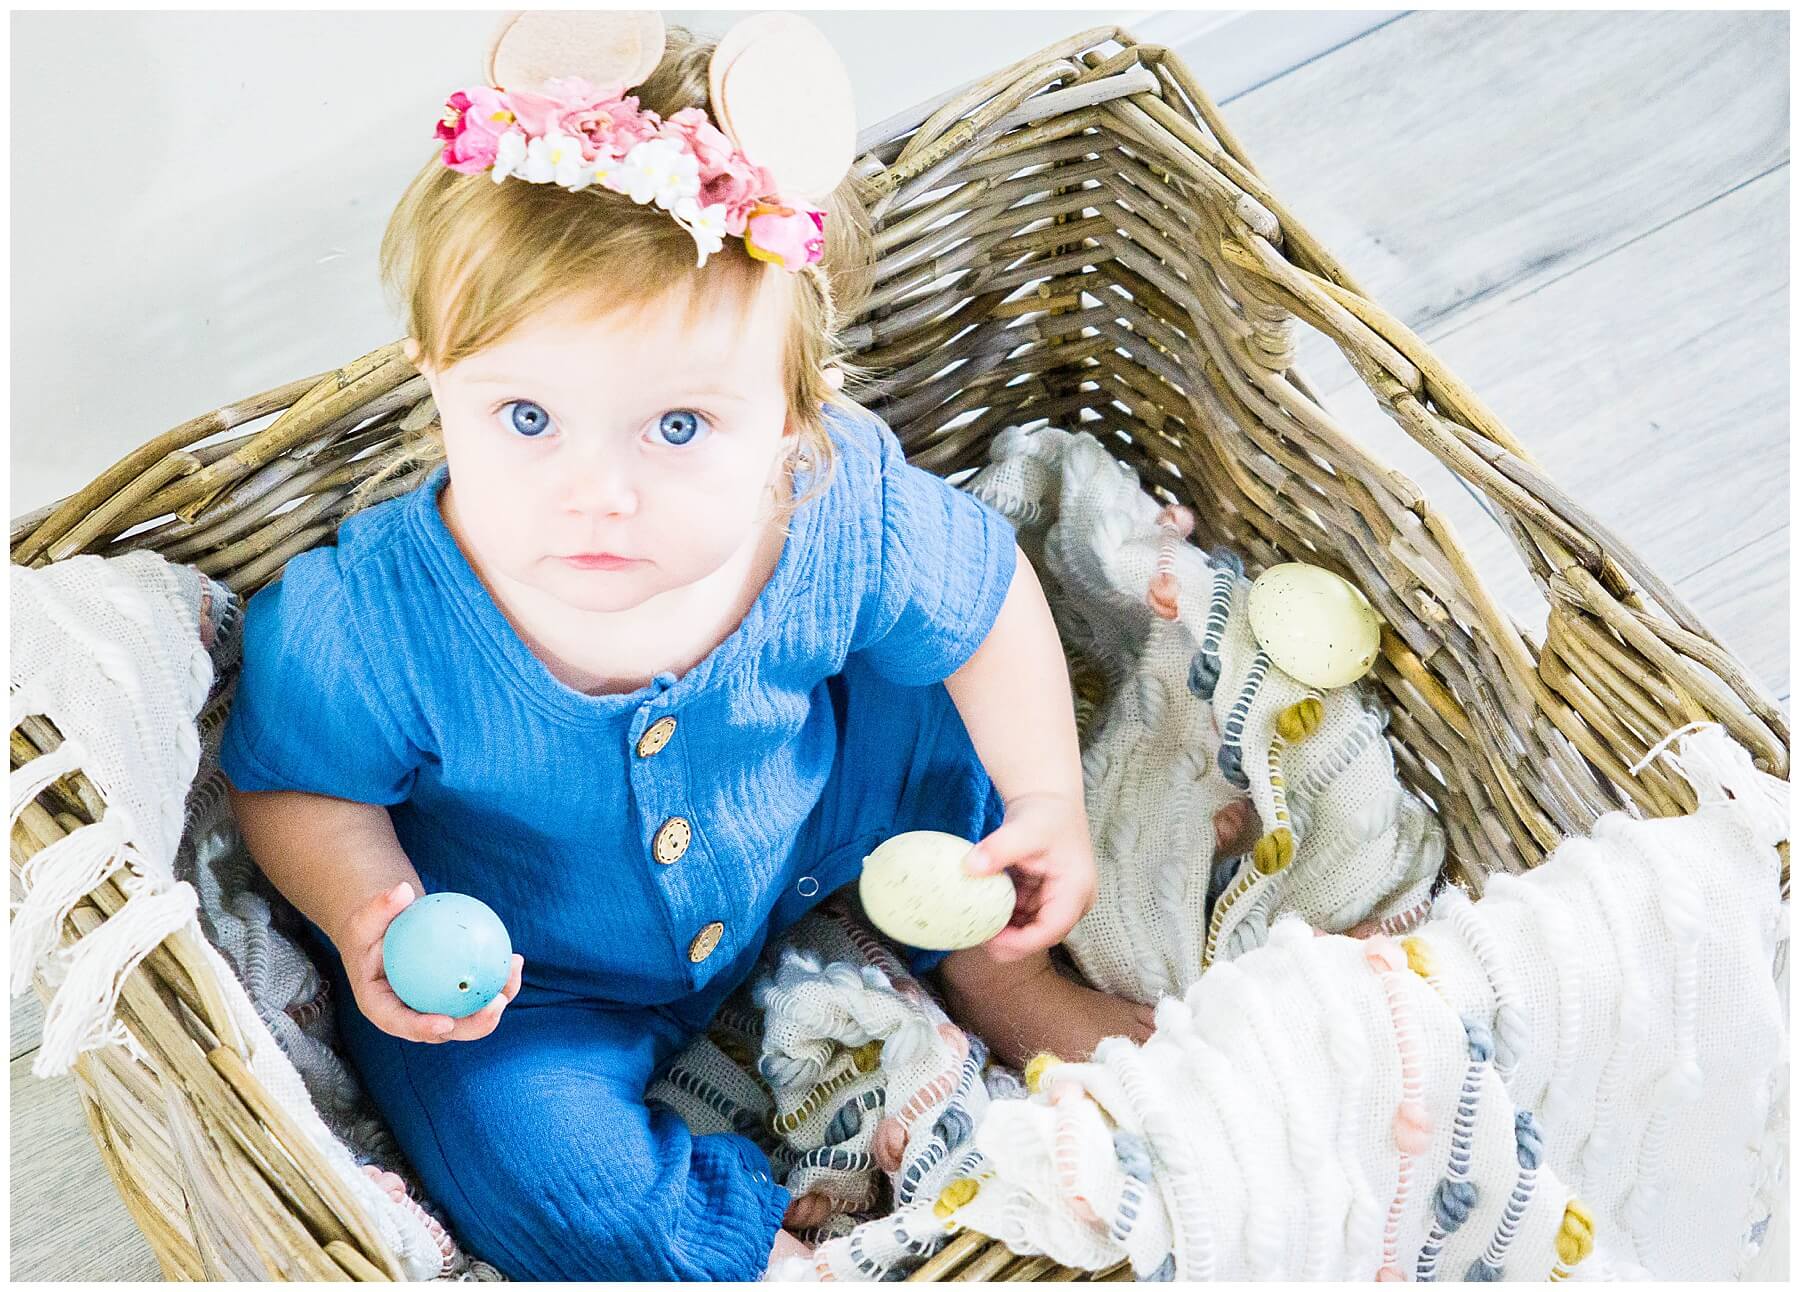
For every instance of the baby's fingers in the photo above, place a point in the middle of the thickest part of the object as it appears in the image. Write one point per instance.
(365, 929)
(394, 1016)
(1016, 941)
(1059, 905)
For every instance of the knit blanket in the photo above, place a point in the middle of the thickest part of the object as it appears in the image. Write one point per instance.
(1193, 727)
(135, 660)
(847, 1071)
(1580, 1076)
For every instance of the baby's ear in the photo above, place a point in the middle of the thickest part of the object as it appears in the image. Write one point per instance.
(410, 348)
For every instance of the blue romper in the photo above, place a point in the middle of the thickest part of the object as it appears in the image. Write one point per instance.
(641, 848)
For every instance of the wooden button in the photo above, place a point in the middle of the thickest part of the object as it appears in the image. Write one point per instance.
(655, 737)
(704, 941)
(671, 840)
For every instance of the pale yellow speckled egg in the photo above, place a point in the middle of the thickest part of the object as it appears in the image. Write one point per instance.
(914, 890)
(1316, 626)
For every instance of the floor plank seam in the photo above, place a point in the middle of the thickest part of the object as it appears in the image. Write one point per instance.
(1324, 53)
(1460, 309)
(1741, 548)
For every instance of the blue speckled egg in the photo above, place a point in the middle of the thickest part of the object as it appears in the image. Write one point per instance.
(447, 953)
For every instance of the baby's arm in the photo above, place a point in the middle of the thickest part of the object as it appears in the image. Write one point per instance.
(329, 857)
(1014, 697)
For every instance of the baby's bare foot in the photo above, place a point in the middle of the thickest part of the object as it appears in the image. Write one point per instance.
(1024, 1008)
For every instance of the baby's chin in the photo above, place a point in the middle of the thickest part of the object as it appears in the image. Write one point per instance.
(603, 591)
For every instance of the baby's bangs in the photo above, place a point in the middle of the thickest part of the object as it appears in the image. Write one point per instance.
(484, 257)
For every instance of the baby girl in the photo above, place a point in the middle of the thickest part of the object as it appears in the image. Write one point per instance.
(670, 639)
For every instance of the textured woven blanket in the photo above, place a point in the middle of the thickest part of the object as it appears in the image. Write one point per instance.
(847, 1071)
(1194, 725)
(1580, 1076)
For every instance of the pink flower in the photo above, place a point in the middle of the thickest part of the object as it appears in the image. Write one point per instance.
(574, 90)
(540, 113)
(737, 186)
(472, 124)
(618, 127)
(707, 141)
(605, 118)
(793, 239)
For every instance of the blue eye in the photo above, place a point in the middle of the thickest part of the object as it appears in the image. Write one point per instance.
(528, 420)
(686, 425)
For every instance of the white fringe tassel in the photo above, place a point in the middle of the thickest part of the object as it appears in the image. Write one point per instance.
(56, 878)
(1723, 774)
(80, 1016)
(22, 703)
(27, 782)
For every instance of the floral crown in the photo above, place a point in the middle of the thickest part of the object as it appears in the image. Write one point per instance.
(575, 129)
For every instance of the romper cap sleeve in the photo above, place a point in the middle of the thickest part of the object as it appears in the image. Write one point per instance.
(946, 564)
(308, 713)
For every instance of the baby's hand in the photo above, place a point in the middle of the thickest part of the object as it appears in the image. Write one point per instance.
(359, 943)
(1044, 843)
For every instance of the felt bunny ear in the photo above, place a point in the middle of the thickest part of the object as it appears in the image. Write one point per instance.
(779, 90)
(610, 49)
(783, 95)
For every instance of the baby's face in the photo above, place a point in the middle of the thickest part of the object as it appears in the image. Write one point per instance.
(639, 436)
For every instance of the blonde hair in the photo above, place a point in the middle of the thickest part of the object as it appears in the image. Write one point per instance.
(468, 260)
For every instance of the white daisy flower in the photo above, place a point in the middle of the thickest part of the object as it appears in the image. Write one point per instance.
(605, 170)
(686, 182)
(659, 170)
(710, 220)
(509, 155)
(539, 166)
(708, 241)
(571, 169)
(706, 223)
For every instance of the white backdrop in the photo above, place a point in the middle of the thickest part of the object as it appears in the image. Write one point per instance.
(196, 218)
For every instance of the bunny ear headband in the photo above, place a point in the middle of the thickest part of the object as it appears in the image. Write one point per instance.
(555, 111)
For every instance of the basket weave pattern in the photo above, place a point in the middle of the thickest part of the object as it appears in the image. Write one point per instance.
(1078, 238)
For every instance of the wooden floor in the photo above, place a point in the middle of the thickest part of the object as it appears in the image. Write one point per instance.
(1584, 214)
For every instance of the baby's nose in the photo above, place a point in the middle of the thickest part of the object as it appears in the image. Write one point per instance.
(599, 491)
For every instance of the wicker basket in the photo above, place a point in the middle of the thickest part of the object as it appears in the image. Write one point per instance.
(1148, 294)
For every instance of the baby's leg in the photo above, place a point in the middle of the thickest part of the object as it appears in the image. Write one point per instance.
(539, 1146)
(1024, 1007)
